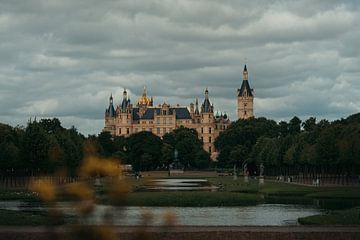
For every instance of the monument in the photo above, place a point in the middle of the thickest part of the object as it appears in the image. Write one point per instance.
(246, 173)
(261, 176)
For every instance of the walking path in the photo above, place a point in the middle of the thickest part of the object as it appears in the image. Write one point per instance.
(199, 233)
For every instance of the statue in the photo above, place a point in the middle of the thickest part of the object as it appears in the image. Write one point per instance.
(261, 170)
(246, 173)
(261, 177)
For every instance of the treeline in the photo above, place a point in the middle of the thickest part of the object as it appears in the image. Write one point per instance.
(44, 146)
(284, 148)
(294, 147)
(146, 151)
(40, 148)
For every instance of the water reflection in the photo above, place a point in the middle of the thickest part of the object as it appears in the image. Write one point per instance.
(180, 185)
(260, 215)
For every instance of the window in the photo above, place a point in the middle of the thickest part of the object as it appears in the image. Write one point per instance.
(164, 130)
(164, 112)
(209, 129)
(158, 120)
(158, 131)
(202, 130)
(209, 149)
(127, 131)
(164, 120)
(209, 139)
(119, 130)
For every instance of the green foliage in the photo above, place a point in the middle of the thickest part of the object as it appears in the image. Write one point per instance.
(22, 218)
(144, 151)
(286, 149)
(189, 147)
(244, 133)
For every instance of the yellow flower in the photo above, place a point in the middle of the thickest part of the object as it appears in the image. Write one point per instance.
(45, 189)
(169, 218)
(79, 191)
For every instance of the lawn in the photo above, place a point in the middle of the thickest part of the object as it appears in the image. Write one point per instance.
(340, 217)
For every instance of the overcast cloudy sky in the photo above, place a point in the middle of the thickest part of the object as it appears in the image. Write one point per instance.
(64, 58)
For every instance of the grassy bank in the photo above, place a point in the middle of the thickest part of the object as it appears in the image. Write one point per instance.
(192, 199)
(339, 217)
(23, 218)
(272, 188)
(23, 195)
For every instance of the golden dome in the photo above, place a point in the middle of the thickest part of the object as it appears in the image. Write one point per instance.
(144, 100)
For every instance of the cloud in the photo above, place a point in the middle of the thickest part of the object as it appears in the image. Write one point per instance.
(64, 58)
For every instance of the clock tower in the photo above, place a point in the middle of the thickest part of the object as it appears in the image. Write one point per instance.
(245, 99)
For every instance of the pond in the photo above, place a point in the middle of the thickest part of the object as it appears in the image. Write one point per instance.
(259, 215)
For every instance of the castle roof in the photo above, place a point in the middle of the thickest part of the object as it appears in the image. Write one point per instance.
(245, 88)
(180, 112)
(110, 111)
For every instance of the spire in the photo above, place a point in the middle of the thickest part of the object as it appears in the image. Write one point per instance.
(125, 102)
(110, 111)
(245, 74)
(206, 106)
(144, 92)
(245, 89)
(111, 99)
(197, 106)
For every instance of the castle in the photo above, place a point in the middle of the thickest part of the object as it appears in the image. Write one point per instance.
(127, 119)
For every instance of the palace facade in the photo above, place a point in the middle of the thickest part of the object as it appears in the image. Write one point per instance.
(125, 119)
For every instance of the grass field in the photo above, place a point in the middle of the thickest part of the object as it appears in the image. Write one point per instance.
(340, 217)
(23, 218)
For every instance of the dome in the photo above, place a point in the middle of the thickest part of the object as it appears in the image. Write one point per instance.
(144, 100)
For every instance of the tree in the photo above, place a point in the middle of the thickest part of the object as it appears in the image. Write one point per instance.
(238, 156)
(189, 147)
(35, 147)
(309, 124)
(144, 151)
(107, 144)
(245, 133)
(167, 152)
(294, 125)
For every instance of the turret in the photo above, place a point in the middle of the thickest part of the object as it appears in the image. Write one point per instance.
(245, 98)
(110, 111)
(206, 107)
(197, 107)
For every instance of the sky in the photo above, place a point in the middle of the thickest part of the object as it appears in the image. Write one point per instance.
(64, 58)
